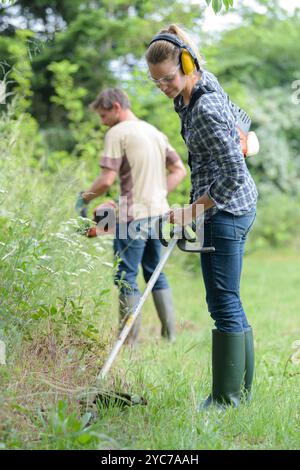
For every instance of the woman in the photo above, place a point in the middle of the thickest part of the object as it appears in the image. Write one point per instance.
(223, 187)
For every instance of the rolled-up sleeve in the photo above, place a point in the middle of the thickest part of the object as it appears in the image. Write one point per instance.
(171, 157)
(113, 152)
(110, 163)
(225, 150)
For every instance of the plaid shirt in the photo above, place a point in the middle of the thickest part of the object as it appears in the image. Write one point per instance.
(217, 163)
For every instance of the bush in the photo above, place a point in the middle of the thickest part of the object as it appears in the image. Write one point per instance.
(277, 223)
(48, 270)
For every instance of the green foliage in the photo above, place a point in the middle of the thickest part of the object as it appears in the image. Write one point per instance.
(54, 307)
(43, 9)
(40, 415)
(277, 224)
(21, 72)
(66, 94)
(34, 265)
(218, 4)
(83, 126)
(108, 43)
(105, 39)
(40, 248)
(260, 78)
(55, 310)
(277, 125)
(175, 379)
(64, 429)
(262, 53)
(66, 315)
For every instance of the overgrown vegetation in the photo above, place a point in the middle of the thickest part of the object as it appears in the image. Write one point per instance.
(57, 303)
(55, 293)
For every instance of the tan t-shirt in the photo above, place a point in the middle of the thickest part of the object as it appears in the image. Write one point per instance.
(140, 154)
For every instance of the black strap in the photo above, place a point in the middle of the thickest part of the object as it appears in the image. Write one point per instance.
(195, 97)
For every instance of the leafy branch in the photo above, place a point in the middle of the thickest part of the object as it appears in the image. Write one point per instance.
(217, 4)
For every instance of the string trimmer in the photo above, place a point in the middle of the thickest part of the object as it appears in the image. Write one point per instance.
(188, 240)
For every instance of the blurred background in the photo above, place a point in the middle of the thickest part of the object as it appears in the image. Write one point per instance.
(57, 56)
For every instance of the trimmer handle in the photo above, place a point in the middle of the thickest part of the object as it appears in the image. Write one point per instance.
(185, 240)
(160, 222)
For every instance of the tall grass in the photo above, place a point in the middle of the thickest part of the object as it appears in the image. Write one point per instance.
(58, 321)
(55, 290)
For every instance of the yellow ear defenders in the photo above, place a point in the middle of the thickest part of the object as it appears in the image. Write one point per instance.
(187, 59)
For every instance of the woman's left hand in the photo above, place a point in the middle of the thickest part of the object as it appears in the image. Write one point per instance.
(181, 216)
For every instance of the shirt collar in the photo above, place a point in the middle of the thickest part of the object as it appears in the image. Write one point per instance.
(202, 82)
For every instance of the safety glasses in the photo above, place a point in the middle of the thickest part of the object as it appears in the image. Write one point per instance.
(164, 80)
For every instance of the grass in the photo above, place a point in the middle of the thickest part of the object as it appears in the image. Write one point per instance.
(40, 409)
(176, 377)
(58, 320)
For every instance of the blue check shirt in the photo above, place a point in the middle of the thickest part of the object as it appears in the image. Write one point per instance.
(216, 160)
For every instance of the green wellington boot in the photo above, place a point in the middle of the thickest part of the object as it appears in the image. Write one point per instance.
(228, 367)
(249, 364)
(126, 305)
(165, 309)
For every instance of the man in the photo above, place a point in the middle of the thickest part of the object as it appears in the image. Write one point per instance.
(141, 156)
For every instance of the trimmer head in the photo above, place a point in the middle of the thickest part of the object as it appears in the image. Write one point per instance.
(106, 399)
(102, 400)
(119, 399)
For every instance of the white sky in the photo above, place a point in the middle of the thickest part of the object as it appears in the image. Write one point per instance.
(213, 22)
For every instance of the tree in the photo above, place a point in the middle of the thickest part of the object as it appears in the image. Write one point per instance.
(257, 63)
(43, 16)
(106, 39)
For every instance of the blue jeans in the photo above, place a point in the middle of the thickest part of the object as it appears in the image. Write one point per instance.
(222, 269)
(135, 250)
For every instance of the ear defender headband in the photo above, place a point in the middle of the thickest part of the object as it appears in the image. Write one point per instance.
(187, 59)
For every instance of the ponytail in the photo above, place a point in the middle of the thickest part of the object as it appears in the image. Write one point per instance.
(164, 50)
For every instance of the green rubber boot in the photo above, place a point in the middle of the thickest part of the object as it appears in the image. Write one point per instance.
(228, 367)
(126, 305)
(165, 309)
(249, 364)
